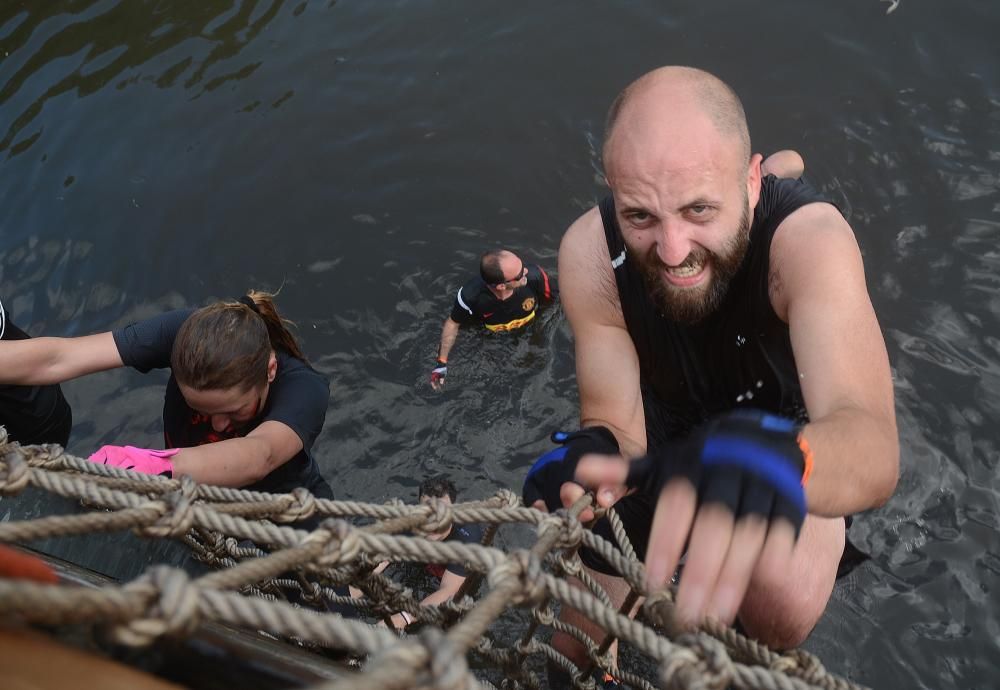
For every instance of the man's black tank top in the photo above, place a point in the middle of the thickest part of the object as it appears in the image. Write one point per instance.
(738, 356)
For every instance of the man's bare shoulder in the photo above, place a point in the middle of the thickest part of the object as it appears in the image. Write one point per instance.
(814, 248)
(587, 282)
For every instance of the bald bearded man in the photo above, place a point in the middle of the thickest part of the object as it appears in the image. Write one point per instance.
(735, 392)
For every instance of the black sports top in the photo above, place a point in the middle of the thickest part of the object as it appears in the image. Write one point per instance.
(471, 533)
(476, 303)
(740, 355)
(32, 414)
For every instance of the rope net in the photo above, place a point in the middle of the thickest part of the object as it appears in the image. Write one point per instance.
(269, 576)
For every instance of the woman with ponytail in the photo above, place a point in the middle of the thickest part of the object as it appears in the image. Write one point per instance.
(242, 407)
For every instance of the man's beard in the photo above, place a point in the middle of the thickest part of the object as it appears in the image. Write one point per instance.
(691, 305)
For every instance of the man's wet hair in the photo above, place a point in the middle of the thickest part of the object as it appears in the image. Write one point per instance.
(719, 100)
(489, 267)
(437, 487)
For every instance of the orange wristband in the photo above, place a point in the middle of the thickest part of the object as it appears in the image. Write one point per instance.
(807, 458)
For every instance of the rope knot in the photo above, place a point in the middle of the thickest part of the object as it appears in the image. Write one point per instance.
(48, 456)
(446, 662)
(704, 664)
(508, 499)
(526, 568)
(14, 471)
(569, 528)
(177, 515)
(302, 506)
(659, 608)
(440, 517)
(801, 664)
(342, 542)
(171, 607)
(544, 615)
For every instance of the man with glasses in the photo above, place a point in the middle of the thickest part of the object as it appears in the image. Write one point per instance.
(504, 297)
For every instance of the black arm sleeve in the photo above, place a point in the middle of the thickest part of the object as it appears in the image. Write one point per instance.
(299, 398)
(463, 310)
(147, 344)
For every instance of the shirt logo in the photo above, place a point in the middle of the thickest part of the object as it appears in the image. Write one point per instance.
(528, 304)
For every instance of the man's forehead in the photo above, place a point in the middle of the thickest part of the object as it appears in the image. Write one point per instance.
(674, 186)
(650, 134)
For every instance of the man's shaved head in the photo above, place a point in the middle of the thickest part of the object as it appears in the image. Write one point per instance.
(662, 96)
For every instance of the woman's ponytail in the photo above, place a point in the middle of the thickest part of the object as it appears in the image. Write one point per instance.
(279, 335)
(229, 344)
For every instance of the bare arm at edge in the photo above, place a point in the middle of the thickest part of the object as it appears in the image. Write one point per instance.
(818, 286)
(44, 361)
(607, 367)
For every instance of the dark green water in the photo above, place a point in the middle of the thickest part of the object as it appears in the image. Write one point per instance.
(361, 155)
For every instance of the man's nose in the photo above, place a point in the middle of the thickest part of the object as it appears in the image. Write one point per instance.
(673, 243)
(221, 422)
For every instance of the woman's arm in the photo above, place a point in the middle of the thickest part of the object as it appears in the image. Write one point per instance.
(238, 462)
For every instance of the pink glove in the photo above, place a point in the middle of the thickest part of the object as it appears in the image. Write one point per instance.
(137, 459)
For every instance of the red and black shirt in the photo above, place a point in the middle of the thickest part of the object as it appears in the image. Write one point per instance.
(476, 303)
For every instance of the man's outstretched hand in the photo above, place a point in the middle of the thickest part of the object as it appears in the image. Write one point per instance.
(732, 492)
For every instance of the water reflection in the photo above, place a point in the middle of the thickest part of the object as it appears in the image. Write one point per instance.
(163, 154)
(51, 48)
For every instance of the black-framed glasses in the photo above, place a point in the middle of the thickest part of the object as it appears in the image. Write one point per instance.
(520, 276)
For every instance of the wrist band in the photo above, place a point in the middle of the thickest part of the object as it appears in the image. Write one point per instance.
(406, 617)
(807, 457)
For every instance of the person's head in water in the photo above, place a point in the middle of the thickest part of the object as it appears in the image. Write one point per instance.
(437, 487)
(677, 158)
(442, 489)
(502, 270)
(224, 358)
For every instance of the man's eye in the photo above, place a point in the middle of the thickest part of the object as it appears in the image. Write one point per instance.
(699, 209)
(638, 217)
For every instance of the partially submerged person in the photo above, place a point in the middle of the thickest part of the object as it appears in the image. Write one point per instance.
(451, 575)
(32, 414)
(735, 392)
(504, 297)
(242, 406)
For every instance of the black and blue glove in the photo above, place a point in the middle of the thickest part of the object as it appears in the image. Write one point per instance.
(558, 466)
(747, 460)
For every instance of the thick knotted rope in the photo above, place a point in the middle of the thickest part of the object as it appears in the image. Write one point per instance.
(262, 566)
